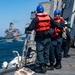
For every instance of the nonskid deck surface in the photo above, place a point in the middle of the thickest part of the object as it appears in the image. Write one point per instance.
(68, 66)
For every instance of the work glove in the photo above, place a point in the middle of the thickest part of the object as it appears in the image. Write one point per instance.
(27, 31)
(70, 42)
(51, 31)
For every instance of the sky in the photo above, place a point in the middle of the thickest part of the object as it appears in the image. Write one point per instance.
(18, 12)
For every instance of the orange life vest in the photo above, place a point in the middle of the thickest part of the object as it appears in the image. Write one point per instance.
(43, 22)
(57, 30)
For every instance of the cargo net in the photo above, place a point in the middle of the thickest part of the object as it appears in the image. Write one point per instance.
(30, 49)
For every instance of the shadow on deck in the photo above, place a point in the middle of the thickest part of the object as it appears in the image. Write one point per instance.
(68, 66)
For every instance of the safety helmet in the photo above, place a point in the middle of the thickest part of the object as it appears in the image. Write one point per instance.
(40, 9)
(57, 11)
(69, 22)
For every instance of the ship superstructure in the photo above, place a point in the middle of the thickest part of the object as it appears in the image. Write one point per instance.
(67, 8)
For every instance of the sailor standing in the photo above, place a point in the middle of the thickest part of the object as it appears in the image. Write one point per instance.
(56, 42)
(42, 25)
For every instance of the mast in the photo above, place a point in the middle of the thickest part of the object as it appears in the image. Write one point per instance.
(11, 26)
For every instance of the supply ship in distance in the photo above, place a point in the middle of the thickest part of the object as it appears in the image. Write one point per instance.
(12, 34)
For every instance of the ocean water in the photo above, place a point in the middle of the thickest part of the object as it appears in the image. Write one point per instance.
(6, 50)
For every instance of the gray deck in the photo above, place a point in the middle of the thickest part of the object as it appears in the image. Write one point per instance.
(68, 66)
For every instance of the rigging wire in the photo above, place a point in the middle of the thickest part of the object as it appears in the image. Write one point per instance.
(3, 39)
(14, 36)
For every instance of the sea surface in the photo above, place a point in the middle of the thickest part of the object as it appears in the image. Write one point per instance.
(6, 50)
